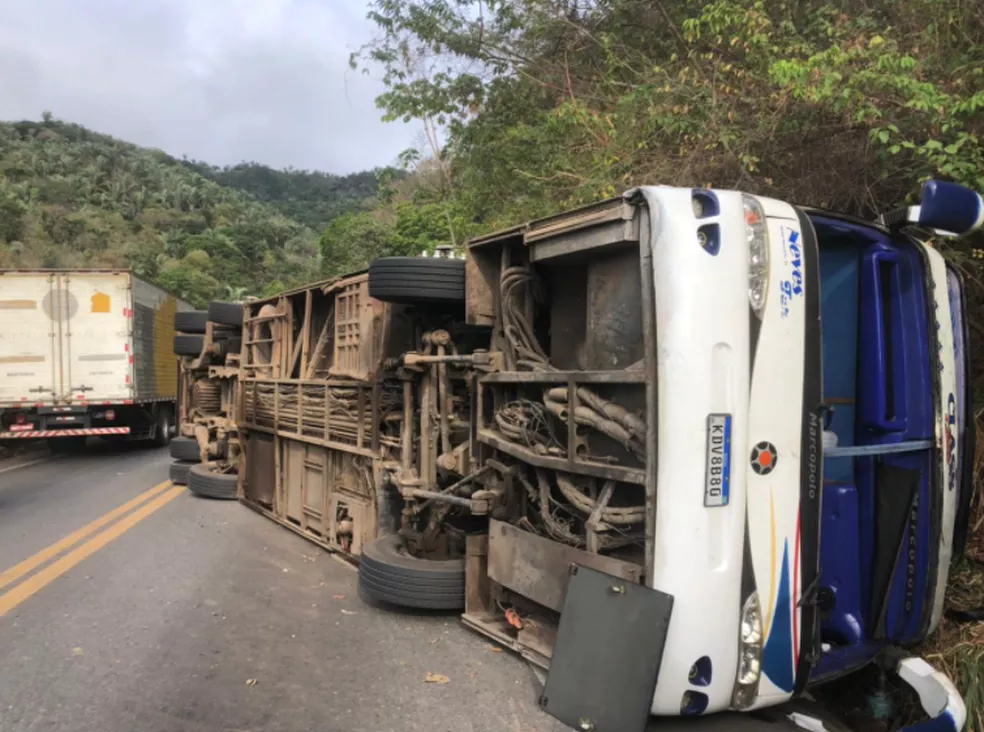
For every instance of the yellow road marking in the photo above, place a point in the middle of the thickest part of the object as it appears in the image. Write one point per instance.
(49, 574)
(28, 565)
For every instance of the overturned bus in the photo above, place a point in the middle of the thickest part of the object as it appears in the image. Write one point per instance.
(695, 449)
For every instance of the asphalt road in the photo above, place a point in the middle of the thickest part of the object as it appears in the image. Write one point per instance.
(202, 615)
(128, 604)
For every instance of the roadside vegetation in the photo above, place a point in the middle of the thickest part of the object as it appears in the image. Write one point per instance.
(958, 647)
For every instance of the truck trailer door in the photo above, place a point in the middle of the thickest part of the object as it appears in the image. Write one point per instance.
(96, 346)
(28, 338)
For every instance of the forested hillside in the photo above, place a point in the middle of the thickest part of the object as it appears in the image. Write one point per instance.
(310, 197)
(71, 197)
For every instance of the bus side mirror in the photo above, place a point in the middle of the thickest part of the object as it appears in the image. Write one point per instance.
(949, 207)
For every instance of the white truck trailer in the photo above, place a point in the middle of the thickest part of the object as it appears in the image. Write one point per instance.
(86, 352)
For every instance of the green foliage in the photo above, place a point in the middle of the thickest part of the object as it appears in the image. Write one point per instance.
(352, 240)
(420, 227)
(311, 198)
(12, 210)
(189, 278)
(70, 197)
(841, 103)
(403, 226)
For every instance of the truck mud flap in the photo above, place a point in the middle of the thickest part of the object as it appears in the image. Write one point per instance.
(608, 652)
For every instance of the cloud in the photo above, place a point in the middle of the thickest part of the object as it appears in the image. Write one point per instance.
(221, 81)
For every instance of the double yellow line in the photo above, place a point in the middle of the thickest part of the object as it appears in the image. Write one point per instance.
(161, 495)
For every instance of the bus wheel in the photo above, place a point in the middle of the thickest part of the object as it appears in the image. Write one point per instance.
(388, 574)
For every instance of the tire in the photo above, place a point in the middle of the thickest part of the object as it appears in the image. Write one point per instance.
(190, 321)
(413, 280)
(188, 345)
(203, 482)
(178, 471)
(225, 313)
(388, 574)
(185, 448)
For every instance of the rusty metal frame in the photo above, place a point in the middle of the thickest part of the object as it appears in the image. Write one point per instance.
(327, 468)
(616, 223)
(215, 429)
(320, 427)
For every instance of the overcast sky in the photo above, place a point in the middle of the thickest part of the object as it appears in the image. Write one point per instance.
(216, 80)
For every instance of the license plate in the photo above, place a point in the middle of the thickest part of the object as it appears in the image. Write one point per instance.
(21, 427)
(718, 481)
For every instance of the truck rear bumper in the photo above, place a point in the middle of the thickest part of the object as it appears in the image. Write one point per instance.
(84, 432)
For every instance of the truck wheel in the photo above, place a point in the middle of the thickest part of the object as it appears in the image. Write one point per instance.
(162, 428)
(185, 448)
(412, 280)
(188, 345)
(388, 574)
(178, 471)
(225, 313)
(190, 321)
(204, 482)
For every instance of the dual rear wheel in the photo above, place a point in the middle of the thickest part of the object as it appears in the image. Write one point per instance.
(387, 573)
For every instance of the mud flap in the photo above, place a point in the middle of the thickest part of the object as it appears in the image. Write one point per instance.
(607, 654)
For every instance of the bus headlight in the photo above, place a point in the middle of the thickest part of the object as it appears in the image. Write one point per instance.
(749, 654)
(757, 236)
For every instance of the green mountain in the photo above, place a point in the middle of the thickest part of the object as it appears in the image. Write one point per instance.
(71, 197)
(309, 197)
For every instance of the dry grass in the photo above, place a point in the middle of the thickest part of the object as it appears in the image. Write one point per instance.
(958, 648)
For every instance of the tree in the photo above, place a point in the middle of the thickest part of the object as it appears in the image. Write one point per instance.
(235, 294)
(420, 227)
(188, 278)
(12, 210)
(548, 104)
(351, 241)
